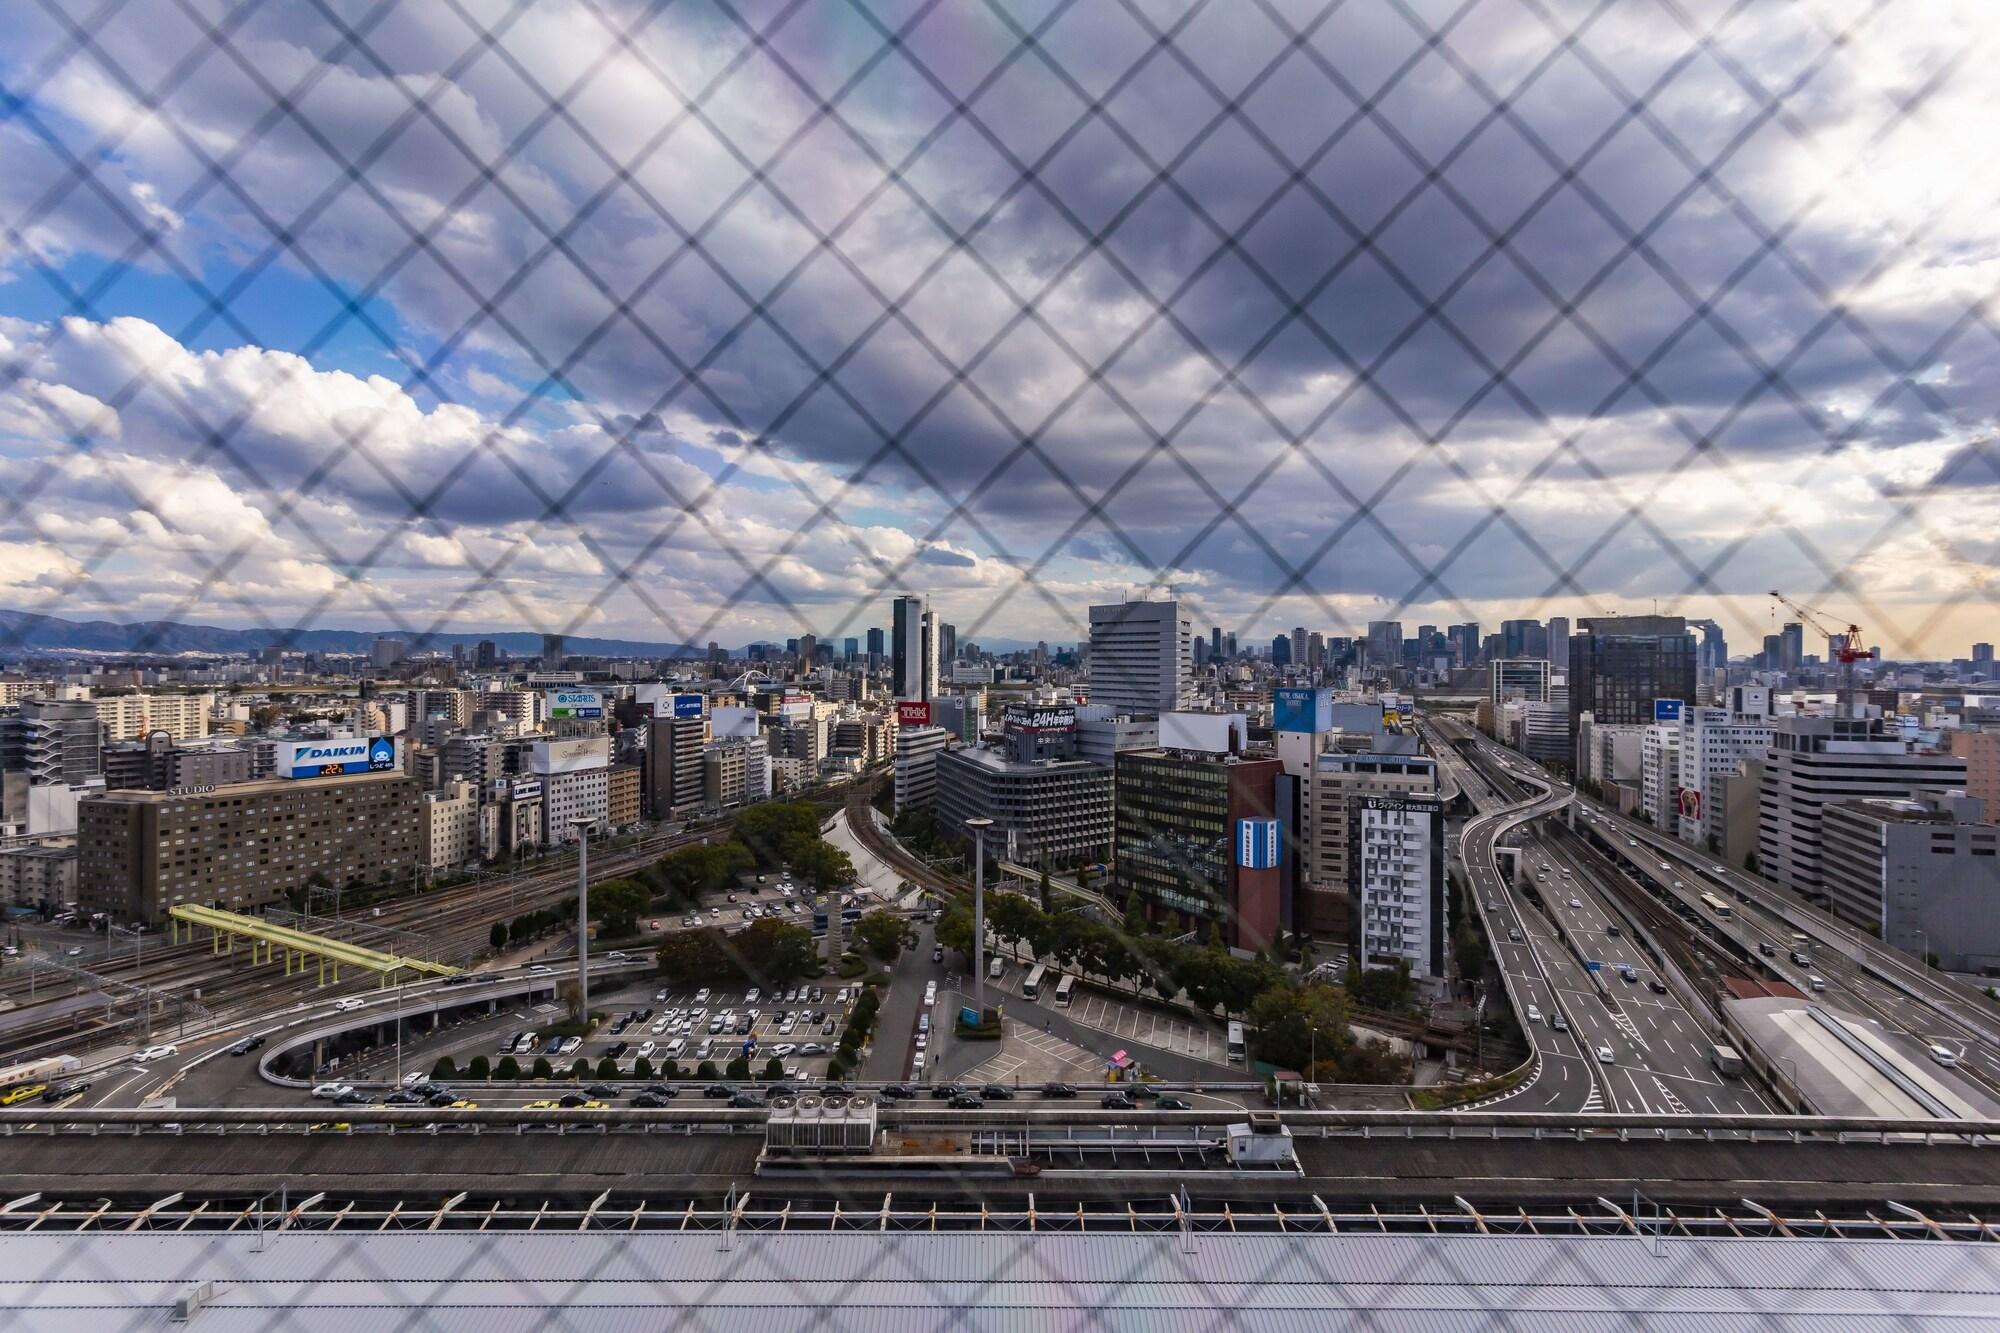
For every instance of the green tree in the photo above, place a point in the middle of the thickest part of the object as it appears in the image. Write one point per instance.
(580, 1068)
(774, 1069)
(836, 1068)
(818, 863)
(687, 957)
(478, 1069)
(738, 1068)
(1012, 918)
(671, 1070)
(954, 927)
(607, 1068)
(508, 1067)
(444, 1068)
(617, 904)
(1384, 987)
(775, 952)
(705, 1071)
(497, 937)
(765, 828)
(542, 1068)
(1135, 916)
(883, 934)
(1297, 1025)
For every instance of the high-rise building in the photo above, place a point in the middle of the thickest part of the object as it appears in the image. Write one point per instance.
(1820, 761)
(386, 652)
(1281, 650)
(1385, 644)
(1141, 657)
(1559, 644)
(850, 649)
(486, 656)
(913, 658)
(1180, 841)
(808, 650)
(1338, 782)
(947, 637)
(1524, 638)
(1401, 883)
(1982, 658)
(1714, 744)
(1621, 666)
(1215, 641)
(915, 764)
(243, 848)
(1464, 644)
(1660, 776)
(1923, 874)
(875, 649)
(1794, 637)
(552, 652)
(1300, 653)
(1981, 752)
(673, 764)
(56, 740)
(1519, 678)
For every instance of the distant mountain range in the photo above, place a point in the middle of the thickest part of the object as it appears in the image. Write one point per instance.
(25, 630)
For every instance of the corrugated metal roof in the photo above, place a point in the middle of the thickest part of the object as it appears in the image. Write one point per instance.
(888, 1283)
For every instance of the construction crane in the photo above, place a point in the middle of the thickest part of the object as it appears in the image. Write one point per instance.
(1850, 650)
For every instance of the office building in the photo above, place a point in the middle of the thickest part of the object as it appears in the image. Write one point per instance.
(674, 748)
(1101, 739)
(1385, 645)
(735, 770)
(808, 651)
(1558, 640)
(1141, 657)
(552, 652)
(1401, 882)
(576, 784)
(913, 654)
(385, 653)
(1981, 752)
(1924, 874)
(1180, 842)
(1815, 762)
(1524, 638)
(1053, 810)
(1714, 744)
(917, 751)
(1525, 679)
(486, 656)
(1621, 666)
(1660, 776)
(1281, 650)
(452, 826)
(244, 848)
(1793, 641)
(1339, 781)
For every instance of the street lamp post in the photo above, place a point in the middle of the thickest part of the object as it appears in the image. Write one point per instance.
(582, 826)
(979, 824)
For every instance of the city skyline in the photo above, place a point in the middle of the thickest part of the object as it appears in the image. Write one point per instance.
(1420, 437)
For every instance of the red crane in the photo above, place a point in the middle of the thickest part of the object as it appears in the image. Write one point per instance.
(1850, 650)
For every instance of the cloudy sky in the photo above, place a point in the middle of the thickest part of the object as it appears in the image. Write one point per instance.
(689, 321)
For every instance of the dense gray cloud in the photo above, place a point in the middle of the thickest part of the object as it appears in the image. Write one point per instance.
(1321, 329)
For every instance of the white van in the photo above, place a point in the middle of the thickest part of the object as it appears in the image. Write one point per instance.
(1534, 1014)
(998, 966)
(1944, 1055)
(1817, 983)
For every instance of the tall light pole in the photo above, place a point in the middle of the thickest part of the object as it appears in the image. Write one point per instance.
(979, 824)
(582, 826)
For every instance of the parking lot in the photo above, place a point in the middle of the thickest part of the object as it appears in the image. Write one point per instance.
(1129, 1022)
(1029, 1056)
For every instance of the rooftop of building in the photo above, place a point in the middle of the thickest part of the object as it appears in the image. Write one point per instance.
(1846, 1065)
(232, 790)
(996, 760)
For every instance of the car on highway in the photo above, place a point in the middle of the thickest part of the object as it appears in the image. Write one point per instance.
(1768, 949)
(157, 1053)
(1665, 866)
(997, 1092)
(416, 1078)
(247, 1045)
(542, 1104)
(65, 1091)
(1117, 1101)
(895, 1092)
(965, 1101)
(1558, 1022)
(616, 956)
(1174, 1104)
(460, 1104)
(603, 1090)
(1576, 902)
(745, 1100)
(74, 951)
(540, 970)
(1604, 1055)
(1717, 870)
(351, 1002)
(328, 1127)
(576, 1101)
(404, 1097)
(440, 1097)
(718, 1090)
(937, 953)
(649, 1100)
(1513, 935)
(1062, 1090)
(352, 1097)
(1655, 985)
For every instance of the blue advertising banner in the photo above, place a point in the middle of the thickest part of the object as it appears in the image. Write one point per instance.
(330, 759)
(1666, 710)
(688, 705)
(1257, 844)
(1301, 709)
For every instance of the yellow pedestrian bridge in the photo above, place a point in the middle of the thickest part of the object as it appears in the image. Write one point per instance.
(299, 946)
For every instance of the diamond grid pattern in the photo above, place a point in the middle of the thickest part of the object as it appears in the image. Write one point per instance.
(1216, 64)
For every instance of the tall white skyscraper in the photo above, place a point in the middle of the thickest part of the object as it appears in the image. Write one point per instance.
(1141, 657)
(913, 650)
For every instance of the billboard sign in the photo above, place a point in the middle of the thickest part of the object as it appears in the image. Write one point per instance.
(547, 758)
(1666, 710)
(1257, 844)
(732, 721)
(575, 703)
(1690, 802)
(913, 713)
(332, 759)
(689, 705)
(1300, 709)
(1038, 717)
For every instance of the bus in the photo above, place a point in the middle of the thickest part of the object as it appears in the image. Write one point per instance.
(1237, 1053)
(1717, 906)
(1033, 985)
(1065, 991)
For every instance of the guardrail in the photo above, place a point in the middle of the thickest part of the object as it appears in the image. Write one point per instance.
(1542, 1125)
